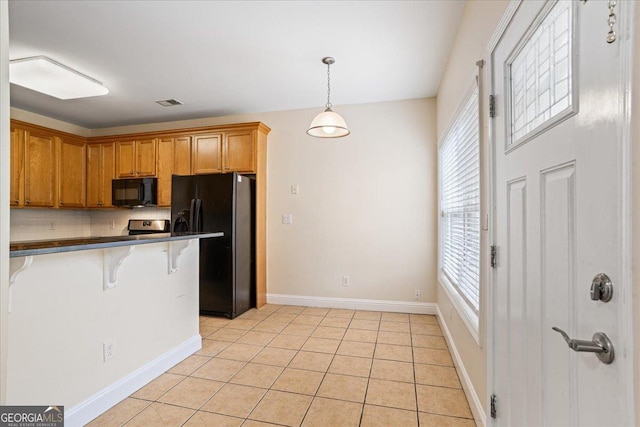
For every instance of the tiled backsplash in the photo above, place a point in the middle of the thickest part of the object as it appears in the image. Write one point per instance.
(42, 224)
(113, 222)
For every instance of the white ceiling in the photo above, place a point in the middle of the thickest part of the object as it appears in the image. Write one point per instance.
(230, 57)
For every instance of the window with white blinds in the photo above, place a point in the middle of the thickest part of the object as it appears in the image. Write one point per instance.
(460, 203)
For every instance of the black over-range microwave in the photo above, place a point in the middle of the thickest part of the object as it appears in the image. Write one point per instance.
(134, 192)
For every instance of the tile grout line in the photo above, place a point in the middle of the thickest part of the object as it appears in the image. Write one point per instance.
(297, 351)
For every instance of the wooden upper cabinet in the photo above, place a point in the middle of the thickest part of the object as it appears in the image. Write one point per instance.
(136, 158)
(100, 173)
(94, 182)
(125, 159)
(146, 157)
(108, 170)
(174, 158)
(71, 173)
(182, 156)
(207, 152)
(166, 148)
(17, 167)
(239, 149)
(39, 169)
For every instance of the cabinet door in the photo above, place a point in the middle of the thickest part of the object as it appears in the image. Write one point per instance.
(17, 166)
(182, 156)
(107, 173)
(165, 169)
(146, 157)
(94, 178)
(207, 154)
(239, 152)
(71, 173)
(39, 169)
(125, 159)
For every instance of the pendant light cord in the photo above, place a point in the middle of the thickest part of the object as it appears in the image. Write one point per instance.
(328, 87)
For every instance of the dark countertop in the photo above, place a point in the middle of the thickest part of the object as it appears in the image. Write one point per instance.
(40, 247)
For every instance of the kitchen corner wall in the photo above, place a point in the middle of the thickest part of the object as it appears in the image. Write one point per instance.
(367, 205)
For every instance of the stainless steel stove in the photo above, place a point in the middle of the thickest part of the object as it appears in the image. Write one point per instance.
(148, 226)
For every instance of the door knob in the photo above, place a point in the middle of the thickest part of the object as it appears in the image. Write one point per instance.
(601, 288)
(599, 344)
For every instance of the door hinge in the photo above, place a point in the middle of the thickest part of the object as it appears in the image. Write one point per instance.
(494, 256)
(494, 411)
(492, 106)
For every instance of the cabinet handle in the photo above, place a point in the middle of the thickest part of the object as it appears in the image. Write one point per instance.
(16, 201)
(226, 168)
(131, 172)
(28, 201)
(61, 202)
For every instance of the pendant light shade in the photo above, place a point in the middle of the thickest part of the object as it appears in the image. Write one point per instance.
(328, 124)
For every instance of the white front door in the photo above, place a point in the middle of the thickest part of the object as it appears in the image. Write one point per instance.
(559, 190)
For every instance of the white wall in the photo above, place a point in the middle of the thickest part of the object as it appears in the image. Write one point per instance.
(4, 192)
(43, 224)
(478, 23)
(100, 220)
(367, 202)
(48, 122)
(61, 316)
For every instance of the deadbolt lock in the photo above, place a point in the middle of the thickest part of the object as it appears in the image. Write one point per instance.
(601, 288)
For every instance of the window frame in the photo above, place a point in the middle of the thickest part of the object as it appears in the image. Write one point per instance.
(464, 309)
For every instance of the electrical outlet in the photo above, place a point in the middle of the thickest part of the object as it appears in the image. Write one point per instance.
(287, 219)
(418, 294)
(108, 350)
(112, 225)
(51, 226)
(345, 281)
(295, 189)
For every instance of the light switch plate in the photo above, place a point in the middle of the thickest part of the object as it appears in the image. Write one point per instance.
(287, 219)
(295, 189)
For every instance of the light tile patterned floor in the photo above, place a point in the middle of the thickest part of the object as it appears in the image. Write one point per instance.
(292, 366)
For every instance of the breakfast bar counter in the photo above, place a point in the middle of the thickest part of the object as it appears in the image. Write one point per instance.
(127, 307)
(40, 247)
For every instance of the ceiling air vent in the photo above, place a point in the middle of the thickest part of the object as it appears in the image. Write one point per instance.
(169, 102)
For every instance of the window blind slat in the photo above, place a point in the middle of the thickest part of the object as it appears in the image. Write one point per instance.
(460, 203)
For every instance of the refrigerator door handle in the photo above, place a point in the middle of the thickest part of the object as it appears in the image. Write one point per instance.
(192, 215)
(196, 215)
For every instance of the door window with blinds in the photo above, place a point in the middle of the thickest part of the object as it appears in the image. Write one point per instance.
(459, 161)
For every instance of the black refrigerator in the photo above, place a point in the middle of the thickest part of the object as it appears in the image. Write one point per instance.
(220, 202)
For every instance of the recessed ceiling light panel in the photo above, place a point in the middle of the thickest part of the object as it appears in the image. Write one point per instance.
(45, 75)
(169, 102)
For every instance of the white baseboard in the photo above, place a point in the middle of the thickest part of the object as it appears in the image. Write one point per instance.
(474, 402)
(95, 405)
(354, 304)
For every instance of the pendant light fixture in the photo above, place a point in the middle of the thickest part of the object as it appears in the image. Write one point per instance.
(328, 124)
